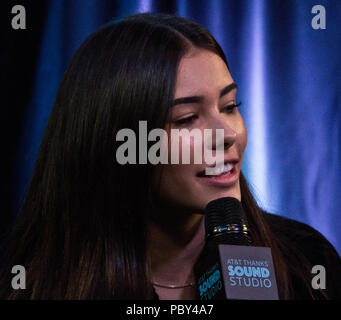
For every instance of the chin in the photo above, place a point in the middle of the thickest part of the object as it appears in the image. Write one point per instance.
(222, 194)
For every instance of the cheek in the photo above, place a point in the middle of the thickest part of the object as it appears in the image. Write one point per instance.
(174, 186)
(185, 148)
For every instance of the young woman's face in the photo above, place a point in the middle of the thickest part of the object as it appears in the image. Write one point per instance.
(202, 74)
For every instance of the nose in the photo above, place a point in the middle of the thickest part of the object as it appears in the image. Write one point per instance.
(227, 138)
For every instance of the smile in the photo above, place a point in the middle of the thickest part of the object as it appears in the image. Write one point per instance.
(222, 176)
(223, 169)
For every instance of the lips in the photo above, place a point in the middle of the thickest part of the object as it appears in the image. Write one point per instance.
(218, 170)
(224, 176)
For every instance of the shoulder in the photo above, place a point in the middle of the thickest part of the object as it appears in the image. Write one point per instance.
(311, 244)
(299, 233)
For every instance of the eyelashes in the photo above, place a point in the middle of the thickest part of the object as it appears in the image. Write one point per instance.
(229, 109)
(187, 120)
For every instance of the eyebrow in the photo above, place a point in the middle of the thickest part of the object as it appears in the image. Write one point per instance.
(197, 99)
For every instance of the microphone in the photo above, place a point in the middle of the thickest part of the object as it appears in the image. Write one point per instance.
(229, 267)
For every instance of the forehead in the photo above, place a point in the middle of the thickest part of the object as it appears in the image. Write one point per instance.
(201, 72)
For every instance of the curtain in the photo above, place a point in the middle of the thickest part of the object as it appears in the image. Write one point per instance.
(288, 75)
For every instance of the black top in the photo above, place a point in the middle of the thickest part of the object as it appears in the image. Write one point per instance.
(312, 246)
(315, 248)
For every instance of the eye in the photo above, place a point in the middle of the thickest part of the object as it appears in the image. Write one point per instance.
(187, 120)
(230, 108)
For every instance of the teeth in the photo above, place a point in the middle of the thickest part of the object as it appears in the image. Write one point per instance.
(219, 170)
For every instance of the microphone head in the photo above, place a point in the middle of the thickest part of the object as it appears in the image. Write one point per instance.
(225, 216)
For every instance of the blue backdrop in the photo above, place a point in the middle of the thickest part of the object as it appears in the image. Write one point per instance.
(289, 82)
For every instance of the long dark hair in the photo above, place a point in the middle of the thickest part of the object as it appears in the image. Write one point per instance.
(82, 231)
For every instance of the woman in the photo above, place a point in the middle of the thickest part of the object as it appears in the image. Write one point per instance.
(91, 228)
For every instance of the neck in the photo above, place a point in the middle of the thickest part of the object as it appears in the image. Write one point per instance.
(175, 245)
